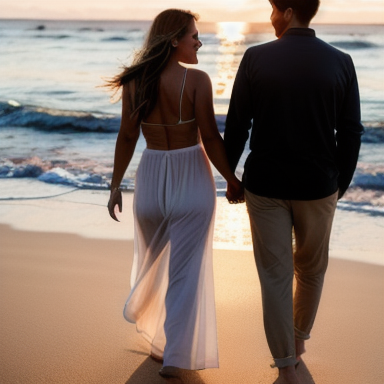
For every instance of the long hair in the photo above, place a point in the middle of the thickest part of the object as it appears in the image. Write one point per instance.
(150, 61)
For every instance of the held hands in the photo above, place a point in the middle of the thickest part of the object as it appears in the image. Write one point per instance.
(115, 199)
(235, 192)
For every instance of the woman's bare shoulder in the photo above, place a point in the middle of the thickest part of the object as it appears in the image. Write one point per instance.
(198, 75)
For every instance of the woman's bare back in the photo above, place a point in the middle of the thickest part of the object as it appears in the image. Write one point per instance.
(172, 125)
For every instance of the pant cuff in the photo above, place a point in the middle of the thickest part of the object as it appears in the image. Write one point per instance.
(284, 362)
(301, 335)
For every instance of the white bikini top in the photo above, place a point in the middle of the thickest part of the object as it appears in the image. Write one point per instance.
(181, 98)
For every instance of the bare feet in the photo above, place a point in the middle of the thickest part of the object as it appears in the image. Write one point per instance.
(157, 358)
(287, 375)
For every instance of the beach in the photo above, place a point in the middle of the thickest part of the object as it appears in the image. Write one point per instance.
(65, 268)
(65, 264)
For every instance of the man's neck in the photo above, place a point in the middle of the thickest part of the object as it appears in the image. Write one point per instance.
(294, 23)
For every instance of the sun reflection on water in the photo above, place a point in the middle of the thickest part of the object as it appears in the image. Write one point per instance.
(232, 31)
(232, 47)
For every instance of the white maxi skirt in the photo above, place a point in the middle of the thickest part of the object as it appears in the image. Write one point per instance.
(172, 292)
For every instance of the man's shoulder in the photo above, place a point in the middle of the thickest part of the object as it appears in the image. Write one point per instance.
(262, 47)
(329, 47)
(281, 49)
(332, 53)
(260, 50)
(282, 44)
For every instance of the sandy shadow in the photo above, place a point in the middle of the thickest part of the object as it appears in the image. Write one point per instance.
(304, 375)
(148, 373)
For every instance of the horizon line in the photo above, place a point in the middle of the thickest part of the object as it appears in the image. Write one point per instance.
(200, 22)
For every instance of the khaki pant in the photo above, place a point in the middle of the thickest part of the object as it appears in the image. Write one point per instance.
(272, 221)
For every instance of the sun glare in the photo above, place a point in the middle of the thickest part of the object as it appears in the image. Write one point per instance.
(232, 37)
(231, 31)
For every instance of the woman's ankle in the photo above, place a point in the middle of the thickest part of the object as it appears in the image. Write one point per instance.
(300, 348)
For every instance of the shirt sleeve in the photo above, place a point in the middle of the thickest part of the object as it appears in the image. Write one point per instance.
(239, 115)
(348, 133)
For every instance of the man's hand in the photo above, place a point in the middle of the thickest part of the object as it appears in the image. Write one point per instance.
(235, 193)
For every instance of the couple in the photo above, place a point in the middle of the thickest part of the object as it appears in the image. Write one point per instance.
(300, 97)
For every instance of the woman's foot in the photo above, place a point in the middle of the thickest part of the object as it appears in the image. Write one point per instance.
(158, 359)
(287, 375)
(170, 372)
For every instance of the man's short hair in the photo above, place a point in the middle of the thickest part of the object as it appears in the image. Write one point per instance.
(304, 10)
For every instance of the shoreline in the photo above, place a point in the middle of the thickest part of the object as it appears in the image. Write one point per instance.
(356, 236)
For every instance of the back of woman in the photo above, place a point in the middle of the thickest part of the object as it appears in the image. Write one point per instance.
(172, 123)
(172, 294)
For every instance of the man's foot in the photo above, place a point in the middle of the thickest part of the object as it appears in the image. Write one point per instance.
(287, 375)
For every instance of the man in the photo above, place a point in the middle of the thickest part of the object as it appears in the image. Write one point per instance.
(301, 98)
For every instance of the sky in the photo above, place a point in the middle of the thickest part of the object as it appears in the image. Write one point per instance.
(331, 11)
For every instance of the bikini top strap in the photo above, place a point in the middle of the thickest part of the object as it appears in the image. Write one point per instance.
(182, 92)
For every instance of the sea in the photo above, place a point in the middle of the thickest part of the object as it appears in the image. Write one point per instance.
(58, 124)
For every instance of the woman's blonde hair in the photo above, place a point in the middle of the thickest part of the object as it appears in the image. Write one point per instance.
(150, 61)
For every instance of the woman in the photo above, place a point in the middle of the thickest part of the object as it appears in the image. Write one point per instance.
(172, 297)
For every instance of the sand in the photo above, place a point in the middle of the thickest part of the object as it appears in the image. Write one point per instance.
(62, 296)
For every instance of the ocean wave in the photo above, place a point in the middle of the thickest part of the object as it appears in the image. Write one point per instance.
(91, 29)
(361, 208)
(27, 170)
(356, 44)
(374, 133)
(58, 92)
(83, 180)
(366, 193)
(56, 37)
(374, 180)
(13, 114)
(57, 175)
(367, 177)
(115, 38)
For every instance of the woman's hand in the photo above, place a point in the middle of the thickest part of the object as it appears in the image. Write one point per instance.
(235, 192)
(115, 199)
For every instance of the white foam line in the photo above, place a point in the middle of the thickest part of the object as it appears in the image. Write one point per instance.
(37, 197)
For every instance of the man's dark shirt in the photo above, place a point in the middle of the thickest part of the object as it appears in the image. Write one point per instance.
(301, 99)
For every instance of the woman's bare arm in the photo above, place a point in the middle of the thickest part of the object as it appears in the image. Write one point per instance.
(212, 140)
(125, 146)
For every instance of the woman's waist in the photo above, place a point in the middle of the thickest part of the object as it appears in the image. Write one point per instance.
(186, 148)
(170, 139)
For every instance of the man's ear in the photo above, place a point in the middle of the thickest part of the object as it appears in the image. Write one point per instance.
(288, 14)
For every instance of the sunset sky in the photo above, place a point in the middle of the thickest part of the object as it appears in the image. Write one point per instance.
(331, 11)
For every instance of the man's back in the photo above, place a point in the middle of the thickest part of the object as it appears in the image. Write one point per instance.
(301, 97)
(297, 90)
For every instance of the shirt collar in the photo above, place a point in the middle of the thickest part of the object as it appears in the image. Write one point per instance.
(300, 32)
